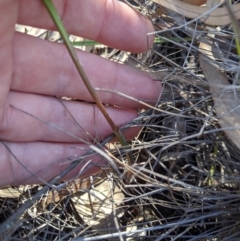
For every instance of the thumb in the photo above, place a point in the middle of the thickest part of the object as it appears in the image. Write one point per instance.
(8, 19)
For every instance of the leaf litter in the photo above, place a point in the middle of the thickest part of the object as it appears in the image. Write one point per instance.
(184, 183)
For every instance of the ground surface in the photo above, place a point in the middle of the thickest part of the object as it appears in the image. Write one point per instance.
(184, 183)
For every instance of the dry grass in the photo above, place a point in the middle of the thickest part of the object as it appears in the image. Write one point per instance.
(184, 184)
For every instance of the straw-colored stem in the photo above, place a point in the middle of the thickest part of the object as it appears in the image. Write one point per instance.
(58, 23)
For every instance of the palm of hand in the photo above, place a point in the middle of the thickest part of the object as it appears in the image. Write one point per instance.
(35, 71)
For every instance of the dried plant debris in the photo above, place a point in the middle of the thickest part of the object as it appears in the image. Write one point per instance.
(185, 180)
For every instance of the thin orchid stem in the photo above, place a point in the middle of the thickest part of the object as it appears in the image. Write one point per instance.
(62, 30)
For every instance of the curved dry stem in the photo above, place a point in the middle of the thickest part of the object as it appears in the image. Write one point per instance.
(214, 17)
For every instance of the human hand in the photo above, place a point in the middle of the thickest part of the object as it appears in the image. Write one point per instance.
(35, 71)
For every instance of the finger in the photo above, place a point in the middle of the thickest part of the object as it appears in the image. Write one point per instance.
(8, 17)
(38, 162)
(108, 21)
(30, 117)
(45, 68)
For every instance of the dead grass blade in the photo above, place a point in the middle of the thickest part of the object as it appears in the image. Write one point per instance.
(226, 102)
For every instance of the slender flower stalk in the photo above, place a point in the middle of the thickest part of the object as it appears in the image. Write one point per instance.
(62, 30)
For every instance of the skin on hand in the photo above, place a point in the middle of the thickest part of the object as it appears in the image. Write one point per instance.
(48, 134)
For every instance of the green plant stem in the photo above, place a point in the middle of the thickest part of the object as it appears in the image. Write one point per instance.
(87, 42)
(58, 23)
(235, 25)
